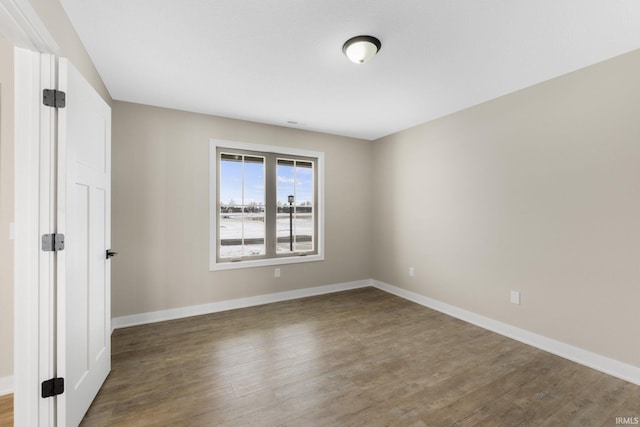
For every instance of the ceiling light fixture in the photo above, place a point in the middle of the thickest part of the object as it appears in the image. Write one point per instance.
(360, 49)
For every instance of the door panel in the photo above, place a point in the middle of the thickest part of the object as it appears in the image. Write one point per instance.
(84, 205)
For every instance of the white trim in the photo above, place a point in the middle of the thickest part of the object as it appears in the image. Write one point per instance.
(587, 358)
(6, 385)
(27, 226)
(20, 24)
(215, 307)
(216, 266)
(34, 161)
(264, 262)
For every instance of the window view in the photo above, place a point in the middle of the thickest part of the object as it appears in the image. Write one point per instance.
(242, 206)
(295, 206)
(266, 206)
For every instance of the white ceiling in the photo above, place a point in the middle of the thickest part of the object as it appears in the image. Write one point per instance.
(281, 60)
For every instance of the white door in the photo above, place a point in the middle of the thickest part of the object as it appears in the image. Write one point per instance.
(84, 217)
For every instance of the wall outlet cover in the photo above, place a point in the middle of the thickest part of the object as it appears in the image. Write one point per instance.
(515, 297)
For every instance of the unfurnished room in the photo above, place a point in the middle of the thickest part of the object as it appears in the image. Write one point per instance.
(319, 213)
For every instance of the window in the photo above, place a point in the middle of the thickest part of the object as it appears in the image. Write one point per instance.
(295, 219)
(241, 219)
(266, 205)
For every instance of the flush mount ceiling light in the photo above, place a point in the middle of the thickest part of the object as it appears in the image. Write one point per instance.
(360, 49)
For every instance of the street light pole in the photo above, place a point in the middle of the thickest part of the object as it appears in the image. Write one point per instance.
(290, 198)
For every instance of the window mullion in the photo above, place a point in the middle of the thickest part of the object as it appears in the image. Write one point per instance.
(218, 202)
(271, 179)
(295, 209)
(242, 211)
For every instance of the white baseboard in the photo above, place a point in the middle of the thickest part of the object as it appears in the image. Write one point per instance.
(592, 360)
(6, 385)
(214, 307)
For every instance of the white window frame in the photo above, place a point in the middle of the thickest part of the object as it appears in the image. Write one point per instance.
(214, 263)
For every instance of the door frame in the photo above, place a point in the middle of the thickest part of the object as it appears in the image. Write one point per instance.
(35, 57)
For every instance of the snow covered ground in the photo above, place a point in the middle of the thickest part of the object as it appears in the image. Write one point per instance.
(233, 224)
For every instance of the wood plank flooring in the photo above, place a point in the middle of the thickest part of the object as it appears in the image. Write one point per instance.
(6, 410)
(356, 358)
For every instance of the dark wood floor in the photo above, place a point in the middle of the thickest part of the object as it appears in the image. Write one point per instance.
(356, 358)
(6, 410)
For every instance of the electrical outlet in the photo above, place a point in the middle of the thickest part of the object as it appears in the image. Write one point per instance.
(515, 297)
(276, 273)
(412, 272)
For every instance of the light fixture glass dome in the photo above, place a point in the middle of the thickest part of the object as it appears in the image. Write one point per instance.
(360, 49)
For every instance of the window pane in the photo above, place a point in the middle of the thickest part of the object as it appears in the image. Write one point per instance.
(230, 231)
(241, 234)
(242, 224)
(303, 231)
(282, 229)
(304, 183)
(296, 178)
(254, 183)
(254, 232)
(230, 180)
(285, 187)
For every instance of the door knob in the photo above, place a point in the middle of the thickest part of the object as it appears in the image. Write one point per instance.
(110, 253)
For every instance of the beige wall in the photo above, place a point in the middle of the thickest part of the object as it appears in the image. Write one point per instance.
(537, 191)
(160, 206)
(6, 208)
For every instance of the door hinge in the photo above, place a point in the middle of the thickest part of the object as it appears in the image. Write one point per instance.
(52, 387)
(53, 242)
(54, 98)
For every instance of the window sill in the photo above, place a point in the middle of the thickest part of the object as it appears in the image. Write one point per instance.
(218, 266)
